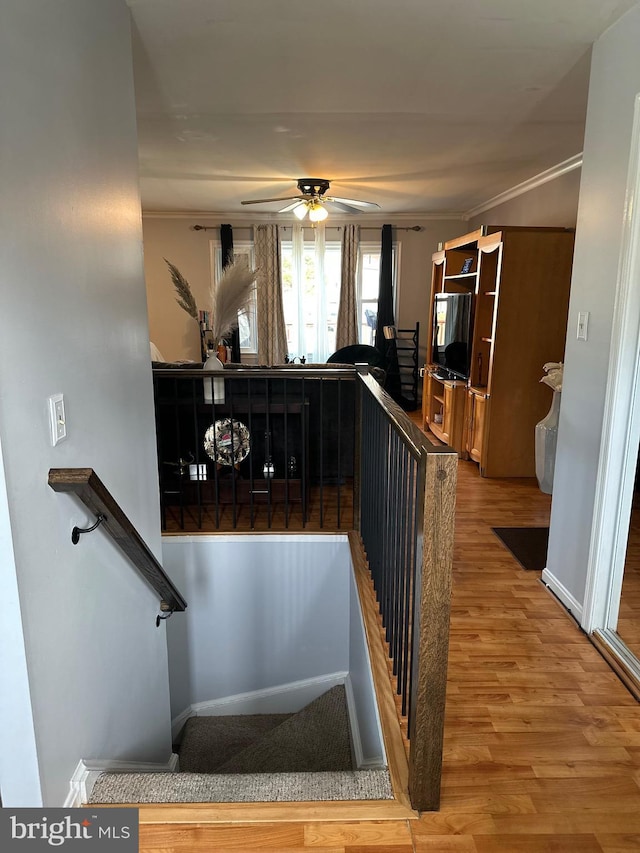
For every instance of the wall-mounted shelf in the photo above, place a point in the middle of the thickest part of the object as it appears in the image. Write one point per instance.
(460, 275)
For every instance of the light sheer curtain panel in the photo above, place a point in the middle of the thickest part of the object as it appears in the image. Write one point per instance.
(308, 309)
(347, 326)
(272, 333)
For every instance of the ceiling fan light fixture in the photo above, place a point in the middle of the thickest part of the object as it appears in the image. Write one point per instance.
(300, 210)
(317, 213)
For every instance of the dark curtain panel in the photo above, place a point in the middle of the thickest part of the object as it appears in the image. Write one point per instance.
(387, 348)
(226, 241)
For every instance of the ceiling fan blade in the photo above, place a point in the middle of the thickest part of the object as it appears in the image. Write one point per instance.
(263, 200)
(292, 206)
(347, 208)
(354, 202)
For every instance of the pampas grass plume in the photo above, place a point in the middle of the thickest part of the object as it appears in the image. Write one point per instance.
(230, 296)
(184, 296)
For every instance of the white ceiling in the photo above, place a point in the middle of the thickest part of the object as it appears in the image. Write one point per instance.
(423, 106)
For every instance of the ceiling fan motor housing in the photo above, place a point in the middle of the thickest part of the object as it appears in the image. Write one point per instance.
(313, 186)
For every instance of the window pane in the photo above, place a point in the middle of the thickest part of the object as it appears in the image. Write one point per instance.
(368, 319)
(370, 275)
(310, 299)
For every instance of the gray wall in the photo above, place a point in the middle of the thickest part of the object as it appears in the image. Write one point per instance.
(615, 81)
(73, 319)
(264, 611)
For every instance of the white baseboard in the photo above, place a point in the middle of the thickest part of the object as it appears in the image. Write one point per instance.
(362, 763)
(353, 724)
(562, 593)
(281, 699)
(87, 771)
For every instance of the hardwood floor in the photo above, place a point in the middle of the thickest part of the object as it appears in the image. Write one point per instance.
(542, 741)
(629, 614)
(329, 508)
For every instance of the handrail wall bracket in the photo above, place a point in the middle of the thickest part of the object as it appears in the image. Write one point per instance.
(85, 484)
(78, 531)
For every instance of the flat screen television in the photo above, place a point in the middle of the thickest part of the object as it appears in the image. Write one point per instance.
(452, 313)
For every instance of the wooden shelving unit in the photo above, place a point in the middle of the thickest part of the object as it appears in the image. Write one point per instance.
(520, 279)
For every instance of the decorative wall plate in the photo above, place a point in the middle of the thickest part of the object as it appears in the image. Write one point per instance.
(227, 442)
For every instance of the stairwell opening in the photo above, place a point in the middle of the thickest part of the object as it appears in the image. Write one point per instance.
(272, 692)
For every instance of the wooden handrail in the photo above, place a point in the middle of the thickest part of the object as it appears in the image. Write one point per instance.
(424, 541)
(85, 484)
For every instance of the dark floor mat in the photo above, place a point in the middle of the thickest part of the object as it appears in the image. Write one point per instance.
(527, 544)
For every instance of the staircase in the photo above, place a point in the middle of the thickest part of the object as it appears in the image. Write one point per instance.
(258, 758)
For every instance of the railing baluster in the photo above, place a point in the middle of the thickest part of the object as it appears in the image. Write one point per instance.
(339, 435)
(176, 409)
(268, 482)
(196, 444)
(321, 454)
(250, 428)
(287, 455)
(305, 459)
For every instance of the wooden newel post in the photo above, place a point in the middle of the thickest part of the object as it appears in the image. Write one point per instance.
(432, 607)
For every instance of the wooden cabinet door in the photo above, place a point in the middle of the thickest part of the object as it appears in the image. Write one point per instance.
(453, 415)
(448, 413)
(477, 412)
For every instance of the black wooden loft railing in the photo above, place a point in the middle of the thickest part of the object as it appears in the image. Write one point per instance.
(407, 510)
(272, 449)
(89, 488)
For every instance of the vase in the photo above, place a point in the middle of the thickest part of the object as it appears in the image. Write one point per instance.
(213, 388)
(546, 441)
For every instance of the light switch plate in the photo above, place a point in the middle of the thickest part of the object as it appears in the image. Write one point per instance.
(583, 325)
(57, 419)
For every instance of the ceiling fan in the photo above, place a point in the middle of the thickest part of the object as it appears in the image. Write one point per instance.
(312, 199)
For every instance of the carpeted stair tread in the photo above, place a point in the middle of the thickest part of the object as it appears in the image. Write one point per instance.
(209, 742)
(315, 739)
(112, 788)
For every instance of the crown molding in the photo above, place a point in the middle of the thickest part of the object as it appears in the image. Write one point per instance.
(251, 218)
(551, 174)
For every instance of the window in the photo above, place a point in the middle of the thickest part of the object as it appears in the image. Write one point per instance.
(310, 292)
(368, 286)
(247, 320)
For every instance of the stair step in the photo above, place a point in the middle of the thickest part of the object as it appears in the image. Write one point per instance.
(209, 742)
(298, 757)
(113, 788)
(315, 739)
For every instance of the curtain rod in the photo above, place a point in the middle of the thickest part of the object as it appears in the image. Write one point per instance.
(327, 227)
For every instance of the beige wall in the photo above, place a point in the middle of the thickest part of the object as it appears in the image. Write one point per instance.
(552, 204)
(176, 334)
